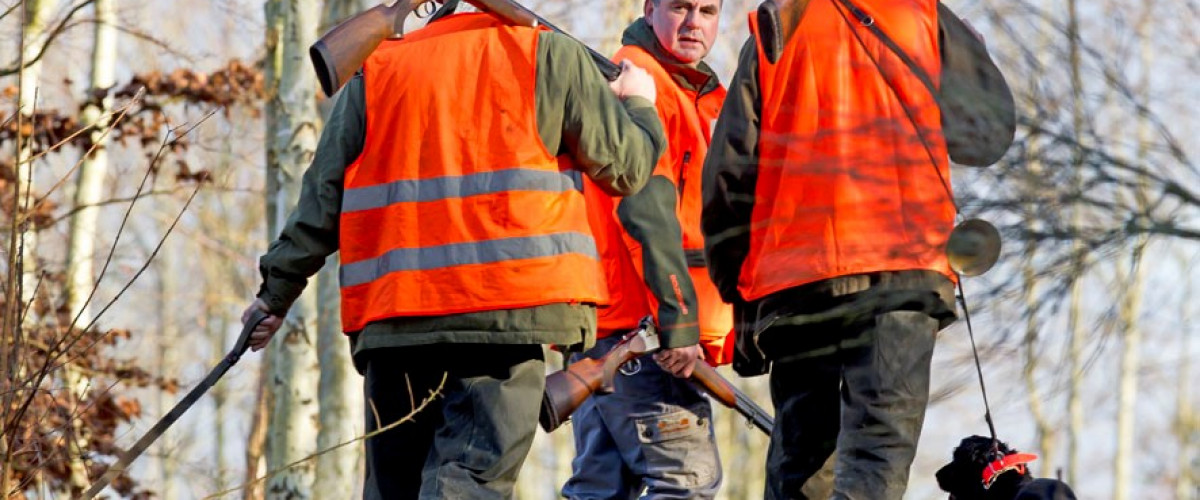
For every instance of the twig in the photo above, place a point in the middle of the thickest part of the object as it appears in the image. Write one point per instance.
(407, 418)
(107, 129)
(54, 33)
(58, 350)
(126, 199)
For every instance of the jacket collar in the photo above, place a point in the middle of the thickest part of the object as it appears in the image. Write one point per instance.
(701, 79)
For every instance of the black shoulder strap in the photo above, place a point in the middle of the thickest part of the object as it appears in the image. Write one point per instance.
(869, 23)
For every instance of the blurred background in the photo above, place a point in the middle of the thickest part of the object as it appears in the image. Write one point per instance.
(149, 151)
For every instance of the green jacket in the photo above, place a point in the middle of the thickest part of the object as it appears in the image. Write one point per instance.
(616, 144)
(649, 217)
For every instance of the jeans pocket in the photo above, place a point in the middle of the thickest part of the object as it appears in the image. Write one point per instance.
(678, 447)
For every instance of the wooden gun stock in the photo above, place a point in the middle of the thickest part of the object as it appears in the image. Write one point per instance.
(341, 51)
(777, 22)
(338, 54)
(567, 389)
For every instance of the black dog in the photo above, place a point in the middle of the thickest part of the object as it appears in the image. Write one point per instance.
(982, 471)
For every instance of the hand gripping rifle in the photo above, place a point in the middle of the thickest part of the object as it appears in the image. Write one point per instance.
(239, 348)
(568, 388)
(342, 51)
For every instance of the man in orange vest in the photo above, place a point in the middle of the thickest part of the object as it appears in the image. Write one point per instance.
(827, 206)
(449, 176)
(654, 433)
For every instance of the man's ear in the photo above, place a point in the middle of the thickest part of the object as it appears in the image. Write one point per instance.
(647, 8)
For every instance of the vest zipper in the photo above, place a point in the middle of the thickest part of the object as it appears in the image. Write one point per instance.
(687, 158)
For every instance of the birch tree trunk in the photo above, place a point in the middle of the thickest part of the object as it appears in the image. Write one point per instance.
(168, 357)
(1045, 431)
(1185, 419)
(336, 11)
(620, 17)
(340, 393)
(82, 228)
(89, 186)
(20, 240)
(1130, 359)
(1078, 333)
(1131, 304)
(340, 389)
(34, 35)
(291, 118)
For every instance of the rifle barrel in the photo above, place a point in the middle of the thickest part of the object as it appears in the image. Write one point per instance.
(754, 413)
(609, 69)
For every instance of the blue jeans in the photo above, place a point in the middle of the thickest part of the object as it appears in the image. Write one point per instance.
(653, 433)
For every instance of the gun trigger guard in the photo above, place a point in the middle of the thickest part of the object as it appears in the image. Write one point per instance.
(632, 367)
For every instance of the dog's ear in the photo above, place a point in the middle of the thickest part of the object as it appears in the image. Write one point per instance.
(955, 479)
(945, 478)
(962, 480)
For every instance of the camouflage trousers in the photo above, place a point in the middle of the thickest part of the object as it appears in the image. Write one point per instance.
(651, 438)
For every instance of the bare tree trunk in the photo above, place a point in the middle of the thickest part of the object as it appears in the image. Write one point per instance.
(340, 390)
(168, 360)
(256, 441)
(1132, 301)
(34, 29)
(336, 11)
(1078, 332)
(217, 323)
(620, 17)
(1128, 386)
(1185, 420)
(341, 396)
(1045, 430)
(291, 141)
(90, 183)
(82, 228)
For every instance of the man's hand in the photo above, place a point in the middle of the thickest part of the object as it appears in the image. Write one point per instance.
(264, 331)
(680, 360)
(633, 81)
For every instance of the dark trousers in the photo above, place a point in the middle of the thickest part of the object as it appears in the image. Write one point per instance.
(652, 438)
(471, 440)
(860, 393)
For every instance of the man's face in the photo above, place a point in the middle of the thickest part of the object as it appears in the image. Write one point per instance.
(686, 28)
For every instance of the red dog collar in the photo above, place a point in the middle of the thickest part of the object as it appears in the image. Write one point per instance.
(1014, 461)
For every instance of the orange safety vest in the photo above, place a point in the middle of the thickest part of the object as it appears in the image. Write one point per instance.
(455, 205)
(687, 118)
(846, 183)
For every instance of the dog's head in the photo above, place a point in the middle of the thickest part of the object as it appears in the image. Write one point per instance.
(962, 478)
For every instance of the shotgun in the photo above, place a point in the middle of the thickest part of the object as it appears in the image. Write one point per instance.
(339, 53)
(568, 388)
(230, 359)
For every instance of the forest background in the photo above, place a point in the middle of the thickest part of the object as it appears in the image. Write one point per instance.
(150, 150)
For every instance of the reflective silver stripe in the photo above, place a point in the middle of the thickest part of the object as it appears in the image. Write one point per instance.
(440, 188)
(458, 254)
